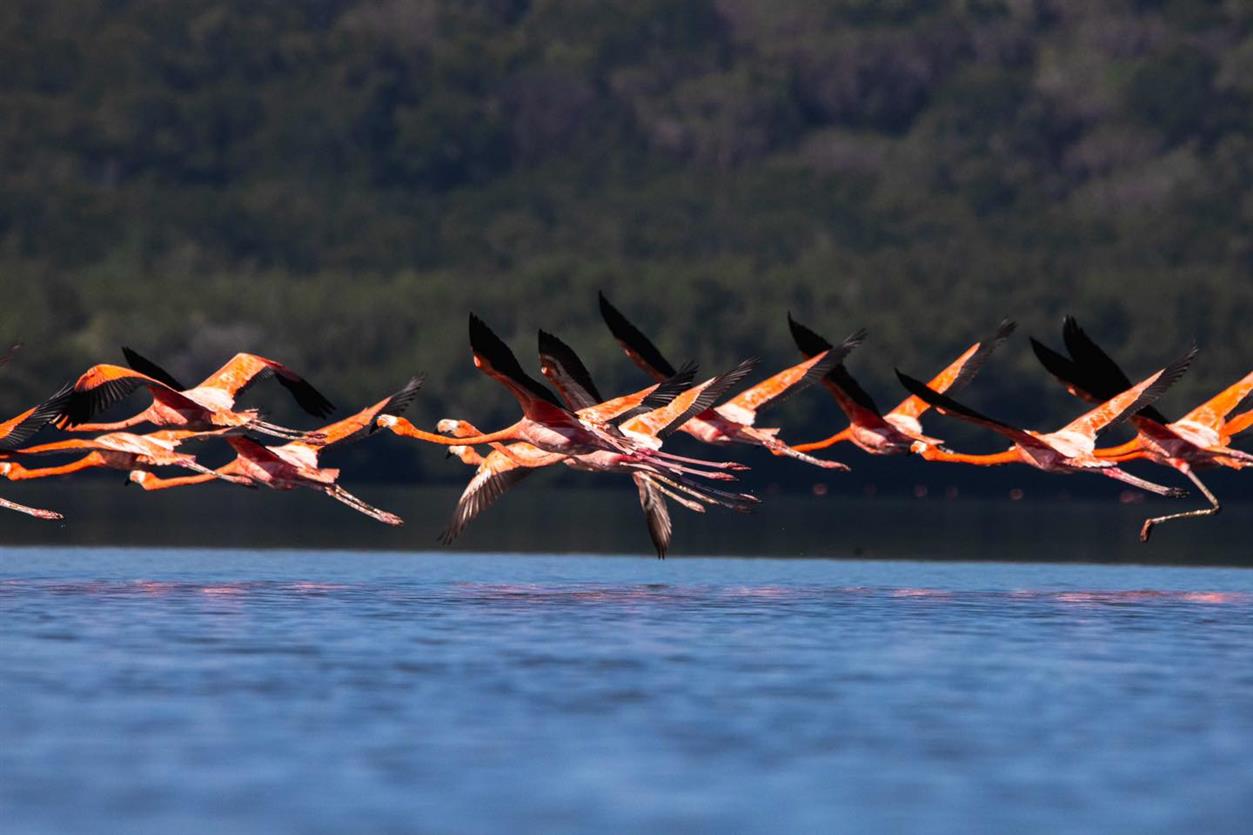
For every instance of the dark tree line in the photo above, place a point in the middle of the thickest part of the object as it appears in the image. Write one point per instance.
(338, 182)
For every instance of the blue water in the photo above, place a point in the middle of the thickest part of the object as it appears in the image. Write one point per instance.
(265, 691)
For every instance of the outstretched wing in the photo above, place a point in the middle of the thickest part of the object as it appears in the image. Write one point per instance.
(494, 477)
(103, 385)
(858, 406)
(1132, 400)
(663, 393)
(19, 429)
(656, 514)
(493, 357)
(244, 370)
(563, 368)
(946, 405)
(363, 424)
(146, 366)
(1238, 424)
(1096, 370)
(697, 400)
(1213, 412)
(634, 343)
(776, 389)
(959, 372)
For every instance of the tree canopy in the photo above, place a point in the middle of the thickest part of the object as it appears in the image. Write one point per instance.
(337, 183)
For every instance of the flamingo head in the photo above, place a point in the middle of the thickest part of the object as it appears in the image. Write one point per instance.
(6, 468)
(138, 477)
(452, 426)
(386, 421)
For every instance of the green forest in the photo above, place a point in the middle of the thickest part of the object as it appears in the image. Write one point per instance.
(338, 183)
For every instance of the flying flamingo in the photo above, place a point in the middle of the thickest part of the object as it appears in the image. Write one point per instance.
(546, 423)
(295, 464)
(18, 429)
(733, 421)
(114, 450)
(506, 466)
(207, 406)
(1067, 450)
(1199, 439)
(893, 433)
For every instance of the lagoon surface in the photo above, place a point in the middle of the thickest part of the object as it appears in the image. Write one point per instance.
(193, 690)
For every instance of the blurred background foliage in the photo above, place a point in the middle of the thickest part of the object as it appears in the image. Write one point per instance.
(336, 183)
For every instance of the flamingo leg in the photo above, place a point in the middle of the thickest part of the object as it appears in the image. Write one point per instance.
(1127, 478)
(50, 515)
(1147, 529)
(117, 426)
(339, 494)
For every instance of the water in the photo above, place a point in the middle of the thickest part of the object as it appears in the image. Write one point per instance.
(166, 690)
(545, 520)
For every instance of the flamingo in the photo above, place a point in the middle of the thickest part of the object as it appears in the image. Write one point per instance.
(296, 464)
(1199, 439)
(114, 450)
(733, 421)
(546, 423)
(1067, 450)
(207, 406)
(18, 429)
(893, 433)
(506, 466)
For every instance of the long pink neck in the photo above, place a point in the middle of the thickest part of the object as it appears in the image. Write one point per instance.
(142, 417)
(178, 481)
(407, 430)
(839, 437)
(88, 461)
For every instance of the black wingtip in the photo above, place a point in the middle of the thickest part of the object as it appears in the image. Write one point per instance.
(143, 365)
(563, 355)
(809, 342)
(634, 340)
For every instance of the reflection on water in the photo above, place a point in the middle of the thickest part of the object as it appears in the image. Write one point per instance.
(548, 520)
(188, 690)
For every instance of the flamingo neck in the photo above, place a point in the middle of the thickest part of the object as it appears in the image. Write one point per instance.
(839, 437)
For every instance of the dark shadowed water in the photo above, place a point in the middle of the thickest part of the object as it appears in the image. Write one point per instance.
(167, 690)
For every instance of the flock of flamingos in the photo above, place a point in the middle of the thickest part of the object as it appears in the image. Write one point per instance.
(577, 427)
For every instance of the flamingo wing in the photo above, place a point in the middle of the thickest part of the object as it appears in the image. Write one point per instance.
(493, 357)
(363, 424)
(960, 372)
(144, 365)
(658, 396)
(1213, 412)
(799, 377)
(494, 477)
(103, 385)
(19, 429)
(1066, 371)
(1239, 423)
(1098, 373)
(697, 400)
(1131, 401)
(946, 405)
(858, 406)
(246, 447)
(656, 514)
(244, 370)
(635, 344)
(562, 366)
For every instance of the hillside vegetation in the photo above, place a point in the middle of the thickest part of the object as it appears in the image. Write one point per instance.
(336, 183)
